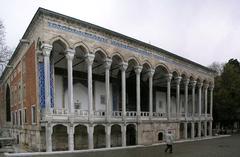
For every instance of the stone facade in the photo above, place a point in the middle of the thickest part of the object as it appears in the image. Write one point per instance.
(79, 86)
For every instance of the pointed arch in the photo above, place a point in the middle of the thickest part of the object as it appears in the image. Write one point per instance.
(83, 45)
(118, 55)
(175, 72)
(163, 66)
(134, 60)
(61, 39)
(146, 62)
(184, 75)
(101, 50)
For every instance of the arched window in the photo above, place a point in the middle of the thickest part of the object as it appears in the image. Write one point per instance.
(8, 107)
(160, 136)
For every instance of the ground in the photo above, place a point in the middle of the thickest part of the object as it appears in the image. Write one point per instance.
(219, 147)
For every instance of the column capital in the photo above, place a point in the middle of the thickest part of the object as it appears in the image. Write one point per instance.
(123, 66)
(107, 63)
(211, 87)
(186, 82)
(206, 85)
(150, 72)
(70, 54)
(138, 69)
(89, 58)
(199, 84)
(193, 83)
(46, 49)
(178, 80)
(168, 77)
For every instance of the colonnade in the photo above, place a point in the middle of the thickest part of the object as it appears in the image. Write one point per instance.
(90, 131)
(89, 59)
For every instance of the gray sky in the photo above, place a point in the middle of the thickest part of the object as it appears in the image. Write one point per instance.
(203, 31)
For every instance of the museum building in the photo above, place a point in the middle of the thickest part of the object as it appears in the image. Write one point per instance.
(72, 85)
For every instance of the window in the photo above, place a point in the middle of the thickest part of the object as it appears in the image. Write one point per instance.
(16, 118)
(20, 117)
(25, 115)
(33, 114)
(160, 136)
(13, 119)
(103, 99)
(19, 92)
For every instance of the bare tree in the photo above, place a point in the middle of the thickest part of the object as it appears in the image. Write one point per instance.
(5, 52)
(218, 67)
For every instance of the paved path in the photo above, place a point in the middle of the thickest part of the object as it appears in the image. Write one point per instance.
(219, 147)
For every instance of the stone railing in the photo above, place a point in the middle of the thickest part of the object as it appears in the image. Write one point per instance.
(131, 113)
(99, 113)
(62, 111)
(80, 112)
(116, 114)
(158, 114)
(145, 114)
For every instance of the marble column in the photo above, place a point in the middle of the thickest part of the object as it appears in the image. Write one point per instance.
(169, 78)
(49, 131)
(206, 99)
(123, 68)
(192, 130)
(211, 100)
(70, 138)
(90, 130)
(205, 128)
(46, 51)
(138, 70)
(211, 108)
(199, 129)
(200, 99)
(123, 129)
(89, 60)
(186, 82)
(193, 97)
(150, 77)
(108, 136)
(107, 64)
(185, 130)
(70, 55)
(178, 80)
(210, 128)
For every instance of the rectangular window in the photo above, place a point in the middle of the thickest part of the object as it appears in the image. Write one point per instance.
(20, 117)
(13, 118)
(25, 115)
(33, 114)
(16, 118)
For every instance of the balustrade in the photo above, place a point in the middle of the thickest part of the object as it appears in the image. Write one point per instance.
(145, 114)
(117, 113)
(131, 114)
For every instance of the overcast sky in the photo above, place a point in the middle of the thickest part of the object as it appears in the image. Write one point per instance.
(203, 31)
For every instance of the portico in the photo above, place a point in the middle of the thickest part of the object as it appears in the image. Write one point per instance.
(96, 88)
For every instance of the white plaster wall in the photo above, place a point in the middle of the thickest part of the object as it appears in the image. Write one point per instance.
(161, 96)
(58, 93)
(173, 104)
(80, 95)
(99, 89)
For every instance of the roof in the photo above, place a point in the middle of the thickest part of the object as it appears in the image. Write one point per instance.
(42, 11)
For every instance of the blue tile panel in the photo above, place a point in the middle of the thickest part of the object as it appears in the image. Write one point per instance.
(41, 88)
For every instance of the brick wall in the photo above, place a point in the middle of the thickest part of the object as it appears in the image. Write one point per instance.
(29, 81)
